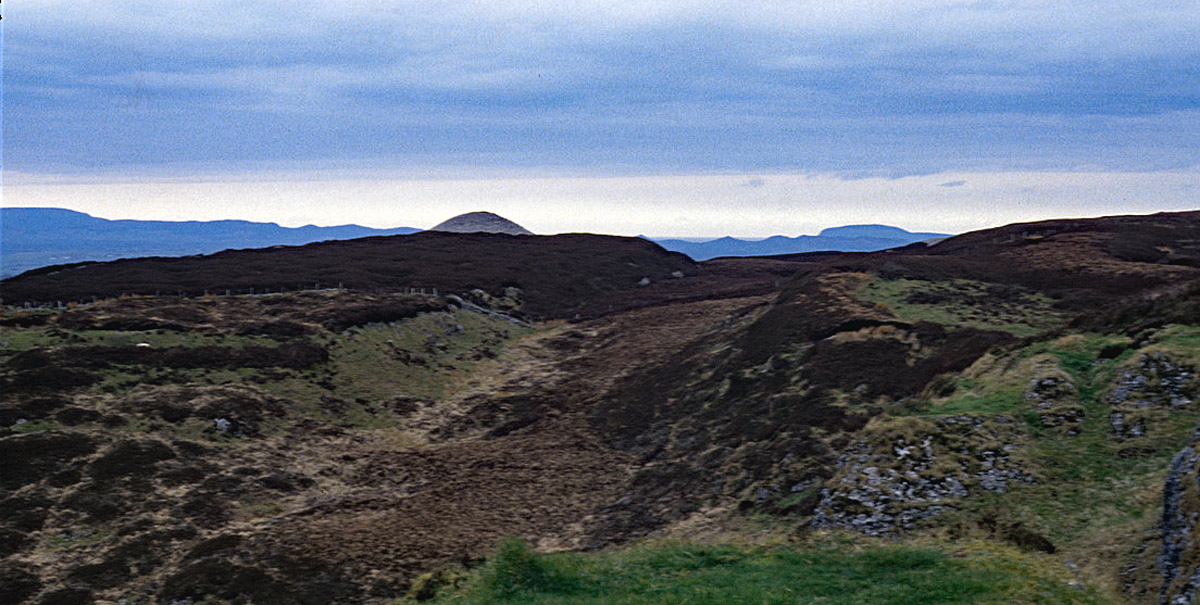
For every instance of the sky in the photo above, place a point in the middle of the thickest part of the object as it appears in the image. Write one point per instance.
(702, 118)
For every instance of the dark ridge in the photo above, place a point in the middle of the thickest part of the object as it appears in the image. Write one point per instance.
(37, 237)
(1086, 265)
(802, 257)
(1081, 262)
(560, 275)
(1139, 230)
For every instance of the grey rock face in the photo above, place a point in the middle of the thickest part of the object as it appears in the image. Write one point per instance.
(888, 486)
(1056, 398)
(1156, 384)
(1179, 562)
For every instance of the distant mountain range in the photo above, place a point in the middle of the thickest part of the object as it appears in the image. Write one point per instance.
(852, 238)
(38, 237)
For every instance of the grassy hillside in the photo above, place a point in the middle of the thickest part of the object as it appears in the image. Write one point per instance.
(941, 425)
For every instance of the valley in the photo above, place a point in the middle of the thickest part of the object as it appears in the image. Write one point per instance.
(1005, 416)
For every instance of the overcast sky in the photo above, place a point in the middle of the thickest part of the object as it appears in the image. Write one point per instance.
(669, 118)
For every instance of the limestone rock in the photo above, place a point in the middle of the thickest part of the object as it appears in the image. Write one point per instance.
(1179, 562)
(916, 469)
(1055, 396)
(1153, 387)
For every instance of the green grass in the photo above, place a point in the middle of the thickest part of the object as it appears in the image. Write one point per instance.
(35, 426)
(14, 340)
(421, 357)
(85, 537)
(722, 574)
(965, 303)
(427, 356)
(1094, 495)
(999, 401)
(1180, 336)
(1091, 499)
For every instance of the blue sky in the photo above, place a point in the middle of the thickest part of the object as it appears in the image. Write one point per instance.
(143, 92)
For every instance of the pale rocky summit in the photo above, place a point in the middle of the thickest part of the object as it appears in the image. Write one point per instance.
(485, 222)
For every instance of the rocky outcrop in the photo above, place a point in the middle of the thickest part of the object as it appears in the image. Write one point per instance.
(914, 469)
(1055, 396)
(1179, 561)
(1148, 391)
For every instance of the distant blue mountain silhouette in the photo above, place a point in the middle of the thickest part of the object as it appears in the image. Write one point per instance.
(37, 237)
(851, 238)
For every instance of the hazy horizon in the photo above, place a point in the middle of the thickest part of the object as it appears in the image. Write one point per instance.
(652, 236)
(693, 206)
(719, 118)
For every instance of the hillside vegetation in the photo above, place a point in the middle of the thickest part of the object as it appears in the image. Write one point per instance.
(1007, 416)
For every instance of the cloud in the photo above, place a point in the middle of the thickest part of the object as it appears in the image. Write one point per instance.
(874, 87)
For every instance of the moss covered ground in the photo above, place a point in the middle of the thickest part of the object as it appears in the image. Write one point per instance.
(963, 303)
(427, 356)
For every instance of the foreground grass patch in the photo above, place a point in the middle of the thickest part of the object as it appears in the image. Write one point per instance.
(733, 574)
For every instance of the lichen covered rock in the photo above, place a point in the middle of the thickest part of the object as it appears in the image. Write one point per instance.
(1144, 393)
(907, 470)
(1055, 396)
